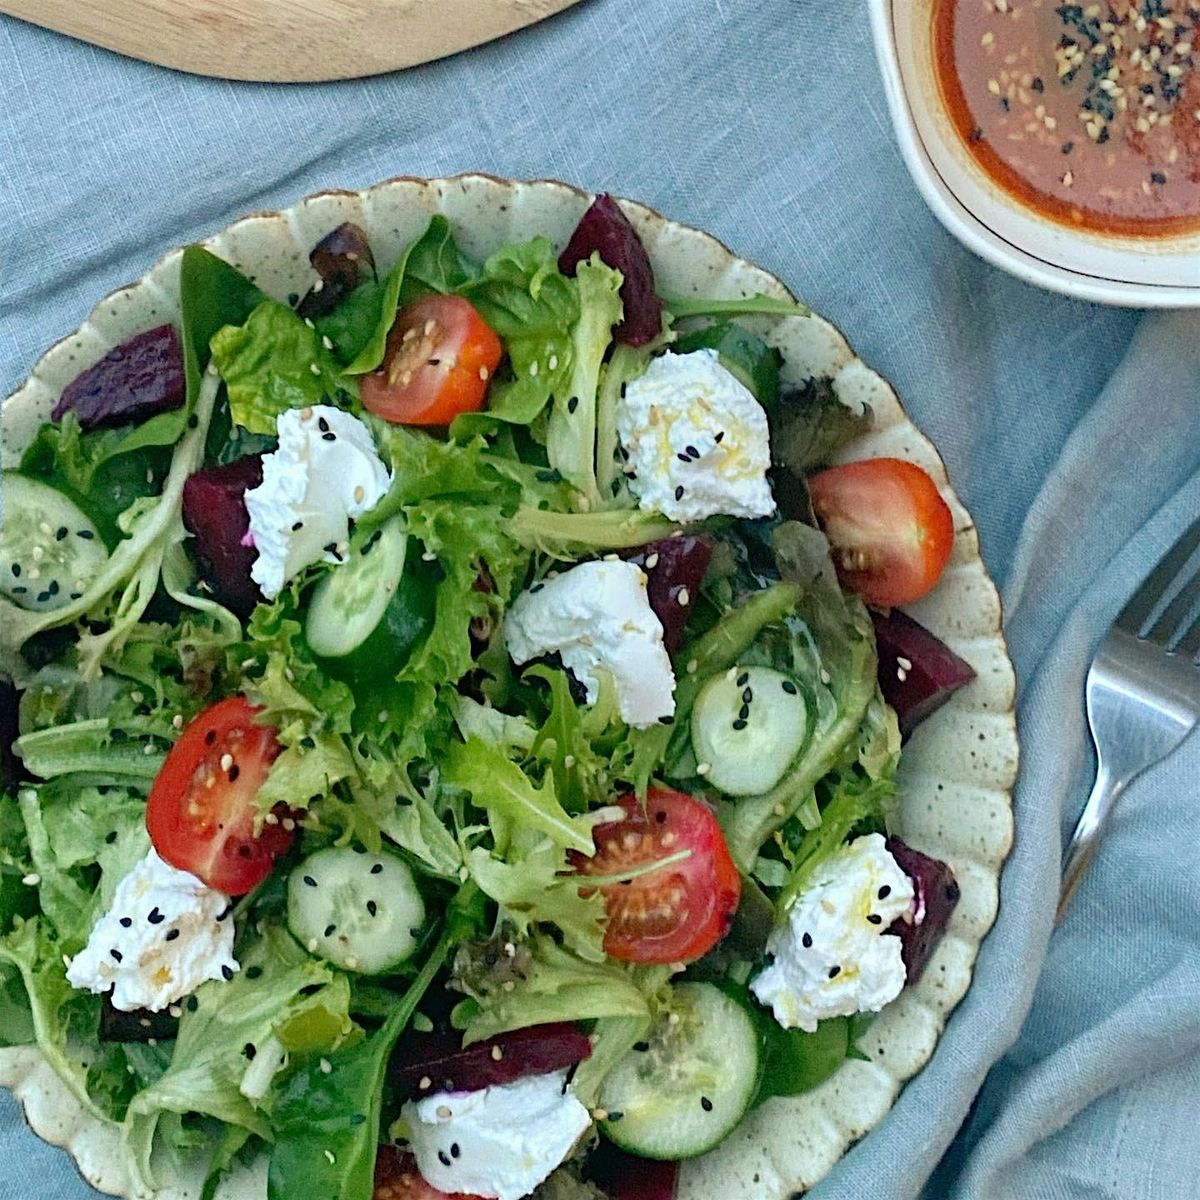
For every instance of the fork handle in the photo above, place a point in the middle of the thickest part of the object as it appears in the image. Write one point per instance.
(1085, 841)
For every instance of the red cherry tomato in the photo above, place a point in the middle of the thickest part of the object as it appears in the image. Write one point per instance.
(440, 355)
(891, 531)
(677, 913)
(201, 810)
(397, 1178)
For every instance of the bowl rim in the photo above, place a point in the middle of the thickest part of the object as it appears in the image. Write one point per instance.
(958, 219)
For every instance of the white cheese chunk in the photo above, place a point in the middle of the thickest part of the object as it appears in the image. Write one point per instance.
(596, 616)
(697, 440)
(500, 1142)
(833, 956)
(162, 938)
(324, 472)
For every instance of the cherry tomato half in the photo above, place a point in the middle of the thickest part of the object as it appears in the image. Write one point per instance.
(677, 913)
(440, 356)
(891, 531)
(201, 811)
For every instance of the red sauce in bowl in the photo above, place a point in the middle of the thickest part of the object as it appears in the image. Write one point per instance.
(1087, 112)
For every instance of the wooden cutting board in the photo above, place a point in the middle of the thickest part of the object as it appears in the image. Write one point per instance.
(290, 41)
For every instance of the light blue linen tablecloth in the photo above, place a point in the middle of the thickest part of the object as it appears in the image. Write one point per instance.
(1069, 431)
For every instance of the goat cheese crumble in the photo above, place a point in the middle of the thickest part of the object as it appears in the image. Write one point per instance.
(162, 938)
(597, 616)
(500, 1142)
(325, 472)
(697, 440)
(834, 957)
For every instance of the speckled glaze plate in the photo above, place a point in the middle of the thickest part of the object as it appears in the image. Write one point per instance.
(957, 771)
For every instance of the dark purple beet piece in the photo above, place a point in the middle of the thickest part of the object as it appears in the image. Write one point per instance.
(449, 1066)
(937, 896)
(214, 511)
(623, 1176)
(11, 771)
(342, 258)
(675, 567)
(140, 378)
(606, 228)
(933, 675)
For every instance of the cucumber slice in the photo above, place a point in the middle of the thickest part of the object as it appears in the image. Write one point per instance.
(748, 724)
(367, 615)
(49, 550)
(742, 354)
(360, 911)
(686, 1087)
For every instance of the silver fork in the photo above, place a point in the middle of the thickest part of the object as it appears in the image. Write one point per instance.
(1143, 696)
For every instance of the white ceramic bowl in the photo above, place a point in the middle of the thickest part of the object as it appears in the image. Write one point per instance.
(1153, 272)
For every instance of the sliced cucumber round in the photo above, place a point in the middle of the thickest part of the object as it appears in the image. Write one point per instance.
(50, 551)
(683, 1089)
(742, 354)
(367, 615)
(748, 724)
(362, 912)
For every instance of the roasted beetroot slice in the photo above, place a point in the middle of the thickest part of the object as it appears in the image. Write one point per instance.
(140, 378)
(623, 1176)
(604, 227)
(214, 511)
(11, 771)
(343, 259)
(449, 1066)
(397, 1177)
(937, 895)
(675, 567)
(929, 675)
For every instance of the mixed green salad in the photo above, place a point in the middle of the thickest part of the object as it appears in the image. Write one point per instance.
(447, 745)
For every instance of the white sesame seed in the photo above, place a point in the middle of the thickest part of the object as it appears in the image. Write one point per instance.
(510, 950)
(330, 1155)
(569, 761)
(226, 761)
(651, 561)
(327, 341)
(359, 493)
(177, 721)
(326, 1067)
(312, 945)
(430, 326)
(306, 414)
(288, 824)
(509, 986)
(319, 286)
(906, 663)
(483, 373)
(497, 1054)
(901, 674)
(673, 1019)
(825, 676)
(703, 768)
(693, 666)
(552, 361)
(444, 1113)
(314, 368)
(67, 960)
(599, 1114)
(533, 369)
(424, 1082)
(271, 819)
(382, 716)
(247, 663)
(148, 749)
(685, 597)
(428, 556)
(993, 86)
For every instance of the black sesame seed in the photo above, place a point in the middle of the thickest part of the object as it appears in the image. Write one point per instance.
(834, 972)
(740, 723)
(706, 1104)
(16, 570)
(953, 893)
(53, 588)
(377, 869)
(719, 436)
(234, 772)
(875, 918)
(310, 881)
(641, 1047)
(311, 989)
(297, 526)
(76, 595)
(322, 425)
(679, 492)
(747, 696)
(329, 437)
(172, 934)
(117, 735)
(806, 941)
(743, 679)
(683, 458)
(43, 597)
(86, 534)
(60, 533)
(192, 1004)
(254, 972)
(454, 1150)
(1037, 84)
(615, 1116)
(193, 422)
(1157, 177)
(1004, 103)
(551, 476)
(330, 547)
(443, 1158)
(224, 915)
(110, 837)
(126, 922)
(210, 737)
(227, 972)
(691, 452)
(744, 713)
(885, 891)
(660, 817)
(789, 687)
(116, 954)
(330, 930)
(249, 1050)
(19, 591)
(572, 404)
(666, 720)
(372, 907)
(537, 587)
(155, 917)
(1067, 147)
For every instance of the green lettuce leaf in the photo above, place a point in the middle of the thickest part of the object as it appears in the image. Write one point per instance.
(571, 432)
(758, 305)
(810, 425)
(273, 362)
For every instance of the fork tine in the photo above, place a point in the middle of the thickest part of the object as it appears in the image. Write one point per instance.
(1137, 612)
(1176, 612)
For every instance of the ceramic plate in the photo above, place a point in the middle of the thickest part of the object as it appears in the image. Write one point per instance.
(957, 771)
